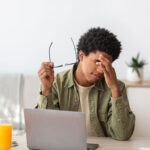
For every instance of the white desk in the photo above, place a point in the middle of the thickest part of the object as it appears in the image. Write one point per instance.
(105, 143)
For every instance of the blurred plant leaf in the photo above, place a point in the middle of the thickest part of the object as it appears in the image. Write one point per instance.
(135, 63)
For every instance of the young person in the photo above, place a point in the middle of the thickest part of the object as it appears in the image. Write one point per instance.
(91, 86)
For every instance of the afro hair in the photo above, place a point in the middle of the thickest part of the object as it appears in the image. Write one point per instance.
(99, 39)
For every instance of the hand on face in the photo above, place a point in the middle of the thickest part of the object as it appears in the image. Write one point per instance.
(109, 72)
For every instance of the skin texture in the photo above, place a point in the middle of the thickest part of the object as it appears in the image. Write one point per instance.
(91, 68)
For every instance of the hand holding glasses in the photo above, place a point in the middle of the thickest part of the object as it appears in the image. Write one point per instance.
(66, 63)
(46, 75)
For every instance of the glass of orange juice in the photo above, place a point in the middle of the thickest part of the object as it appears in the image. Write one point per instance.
(5, 134)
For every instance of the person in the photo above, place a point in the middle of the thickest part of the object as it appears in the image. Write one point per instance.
(91, 86)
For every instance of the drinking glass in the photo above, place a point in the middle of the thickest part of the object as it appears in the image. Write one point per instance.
(5, 134)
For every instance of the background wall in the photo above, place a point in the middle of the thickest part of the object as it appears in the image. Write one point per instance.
(28, 26)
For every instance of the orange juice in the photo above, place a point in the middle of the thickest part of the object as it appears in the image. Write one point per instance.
(5, 136)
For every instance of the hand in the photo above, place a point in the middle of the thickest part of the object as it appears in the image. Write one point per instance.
(109, 74)
(46, 75)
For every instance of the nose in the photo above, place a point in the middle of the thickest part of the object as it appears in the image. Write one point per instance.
(99, 70)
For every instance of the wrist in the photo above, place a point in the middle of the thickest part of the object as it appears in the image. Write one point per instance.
(46, 92)
(115, 92)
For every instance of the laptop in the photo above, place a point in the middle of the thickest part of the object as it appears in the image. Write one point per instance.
(56, 130)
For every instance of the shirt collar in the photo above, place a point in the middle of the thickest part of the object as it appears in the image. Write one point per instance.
(70, 80)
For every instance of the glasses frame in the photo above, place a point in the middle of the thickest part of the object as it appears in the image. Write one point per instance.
(66, 64)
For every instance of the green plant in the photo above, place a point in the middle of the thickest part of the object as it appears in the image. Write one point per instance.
(135, 64)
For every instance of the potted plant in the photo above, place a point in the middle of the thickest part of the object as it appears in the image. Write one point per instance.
(135, 69)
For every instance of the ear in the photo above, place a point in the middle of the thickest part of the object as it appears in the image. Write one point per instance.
(80, 55)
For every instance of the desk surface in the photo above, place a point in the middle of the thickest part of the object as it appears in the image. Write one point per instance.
(144, 84)
(104, 143)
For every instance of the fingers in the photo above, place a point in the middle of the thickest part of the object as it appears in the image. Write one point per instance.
(106, 63)
(42, 70)
(46, 69)
(51, 64)
(106, 73)
(47, 65)
(44, 75)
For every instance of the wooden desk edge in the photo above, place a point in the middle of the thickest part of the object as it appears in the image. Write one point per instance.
(144, 84)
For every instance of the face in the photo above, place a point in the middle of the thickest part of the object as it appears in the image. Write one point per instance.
(89, 67)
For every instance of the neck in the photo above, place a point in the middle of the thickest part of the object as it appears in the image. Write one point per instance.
(79, 77)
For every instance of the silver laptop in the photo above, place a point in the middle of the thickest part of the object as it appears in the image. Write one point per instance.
(55, 130)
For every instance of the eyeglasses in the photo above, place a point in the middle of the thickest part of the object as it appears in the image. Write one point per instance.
(66, 64)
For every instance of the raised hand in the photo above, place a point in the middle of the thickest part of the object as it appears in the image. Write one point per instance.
(46, 75)
(109, 74)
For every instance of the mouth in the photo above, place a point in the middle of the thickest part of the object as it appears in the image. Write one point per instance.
(96, 76)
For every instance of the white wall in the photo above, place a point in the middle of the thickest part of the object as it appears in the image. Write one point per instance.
(28, 26)
(139, 103)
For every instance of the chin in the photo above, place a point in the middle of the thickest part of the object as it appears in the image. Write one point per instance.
(92, 81)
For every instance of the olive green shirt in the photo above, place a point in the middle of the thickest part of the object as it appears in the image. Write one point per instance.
(109, 116)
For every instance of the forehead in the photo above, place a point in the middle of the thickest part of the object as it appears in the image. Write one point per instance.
(95, 55)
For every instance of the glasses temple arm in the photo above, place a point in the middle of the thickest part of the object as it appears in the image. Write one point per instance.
(49, 51)
(74, 49)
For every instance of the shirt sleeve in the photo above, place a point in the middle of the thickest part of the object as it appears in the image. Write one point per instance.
(50, 101)
(121, 120)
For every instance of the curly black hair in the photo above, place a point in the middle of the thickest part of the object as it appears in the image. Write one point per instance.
(99, 39)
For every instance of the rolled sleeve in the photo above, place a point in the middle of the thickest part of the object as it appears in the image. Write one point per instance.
(121, 119)
(47, 102)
